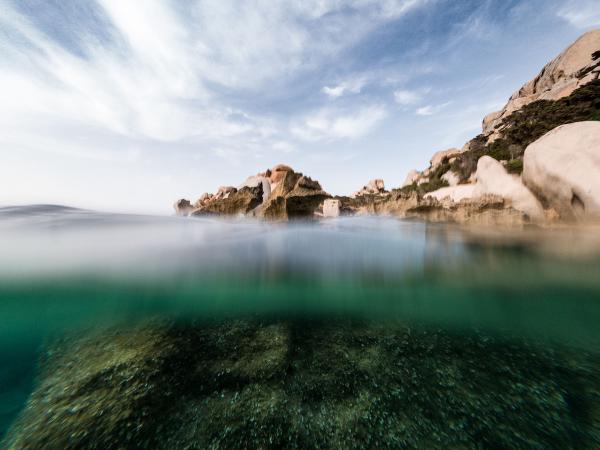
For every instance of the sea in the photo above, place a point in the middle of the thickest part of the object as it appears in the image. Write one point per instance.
(397, 333)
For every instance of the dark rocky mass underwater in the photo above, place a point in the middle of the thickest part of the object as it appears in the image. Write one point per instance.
(308, 384)
(138, 332)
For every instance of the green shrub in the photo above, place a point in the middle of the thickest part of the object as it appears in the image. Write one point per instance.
(515, 166)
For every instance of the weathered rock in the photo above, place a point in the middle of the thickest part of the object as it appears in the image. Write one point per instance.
(308, 183)
(411, 178)
(278, 173)
(563, 169)
(313, 383)
(225, 191)
(376, 186)
(294, 195)
(203, 200)
(451, 178)
(455, 193)
(183, 207)
(234, 203)
(331, 208)
(256, 180)
(571, 69)
(440, 156)
(492, 178)
(488, 210)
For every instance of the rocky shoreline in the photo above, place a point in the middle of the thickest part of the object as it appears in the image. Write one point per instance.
(536, 161)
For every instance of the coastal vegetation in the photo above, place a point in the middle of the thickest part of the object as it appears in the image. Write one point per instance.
(517, 131)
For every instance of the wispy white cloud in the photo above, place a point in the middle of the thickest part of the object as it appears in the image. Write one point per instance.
(353, 86)
(581, 14)
(326, 124)
(406, 98)
(431, 110)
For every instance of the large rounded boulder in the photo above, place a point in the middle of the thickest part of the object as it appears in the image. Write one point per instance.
(563, 169)
(493, 179)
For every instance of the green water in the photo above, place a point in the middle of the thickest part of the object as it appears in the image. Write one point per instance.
(350, 333)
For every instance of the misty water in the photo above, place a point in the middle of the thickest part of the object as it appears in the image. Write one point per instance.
(66, 270)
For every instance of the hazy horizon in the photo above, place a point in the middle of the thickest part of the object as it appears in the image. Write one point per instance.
(111, 106)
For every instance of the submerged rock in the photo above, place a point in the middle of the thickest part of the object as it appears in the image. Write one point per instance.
(308, 384)
(563, 169)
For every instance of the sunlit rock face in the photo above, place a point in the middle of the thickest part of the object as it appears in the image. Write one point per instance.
(440, 156)
(331, 208)
(455, 193)
(573, 68)
(492, 178)
(563, 169)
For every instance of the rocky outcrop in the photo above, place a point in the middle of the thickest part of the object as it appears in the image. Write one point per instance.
(451, 178)
(438, 161)
(439, 157)
(373, 187)
(331, 208)
(573, 68)
(279, 193)
(293, 195)
(563, 169)
(238, 202)
(492, 179)
(454, 193)
(328, 383)
(489, 210)
(411, 178)
(183, 207)
(258, 180)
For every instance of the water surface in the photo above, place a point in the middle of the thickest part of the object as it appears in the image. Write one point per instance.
(64, 270)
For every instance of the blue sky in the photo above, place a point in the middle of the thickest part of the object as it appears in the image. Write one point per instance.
(125, 105)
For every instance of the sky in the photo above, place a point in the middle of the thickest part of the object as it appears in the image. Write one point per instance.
(126, 106)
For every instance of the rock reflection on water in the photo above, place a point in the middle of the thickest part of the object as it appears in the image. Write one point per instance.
(351, 333)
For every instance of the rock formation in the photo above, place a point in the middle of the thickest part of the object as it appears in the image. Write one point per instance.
(183, 207)
(573, 68)
(566, 91)
(331, 208)
(326, 383)
(454, 193)
(493, 179)
(279, 193)
(373, 187)
(293, 195)
(563, 169)
(439, 157)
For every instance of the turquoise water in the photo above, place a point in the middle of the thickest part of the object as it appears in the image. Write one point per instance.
(65, 270)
